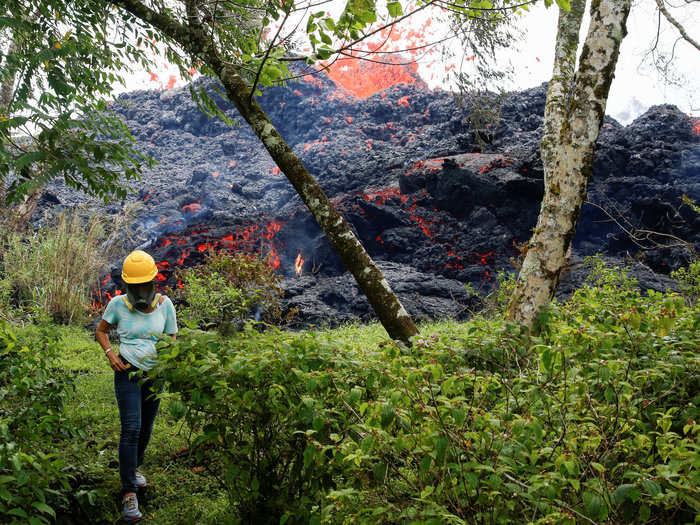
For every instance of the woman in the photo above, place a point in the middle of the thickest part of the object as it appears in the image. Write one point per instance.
(140, 317)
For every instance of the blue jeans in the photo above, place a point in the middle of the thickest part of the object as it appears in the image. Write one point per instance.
(138, 407)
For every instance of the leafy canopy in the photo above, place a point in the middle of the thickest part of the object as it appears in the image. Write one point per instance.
(61, 61)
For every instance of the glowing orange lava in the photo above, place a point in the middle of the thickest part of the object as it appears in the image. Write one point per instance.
(274, 259)
(299, 264)
(272, 228)
(363, 79)
(193, 207)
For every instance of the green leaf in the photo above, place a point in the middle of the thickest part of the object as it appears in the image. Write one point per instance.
(652, 487)
(324, 53)
(610, 395)
(427, 491)
(356, 394)
(380, 470)
(309, 455)
(387, 415)
(644, 513)
(593, 503)
(43, 507)
(425, 465)
(29, 158)
(17, 512)
(459, 416)
(440, 449)
(547, 359)
(600, 468)
(367, 443)
(395, 9)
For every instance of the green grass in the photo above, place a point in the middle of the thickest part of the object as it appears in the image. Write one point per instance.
(178, 492)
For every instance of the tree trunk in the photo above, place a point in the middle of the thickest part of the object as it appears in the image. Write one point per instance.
(194, 40)
(574, 113)
(14, 218)
(6, 90)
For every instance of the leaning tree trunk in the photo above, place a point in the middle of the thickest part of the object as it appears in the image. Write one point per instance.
(574, 113)
(194, 40)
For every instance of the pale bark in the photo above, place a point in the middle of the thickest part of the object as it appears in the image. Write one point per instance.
(194, 40)
(8, 85)
(573, 118)
(6, 89)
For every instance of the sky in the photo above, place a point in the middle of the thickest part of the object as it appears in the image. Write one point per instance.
(637, 85)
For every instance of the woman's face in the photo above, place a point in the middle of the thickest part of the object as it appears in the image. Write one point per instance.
(141, 295)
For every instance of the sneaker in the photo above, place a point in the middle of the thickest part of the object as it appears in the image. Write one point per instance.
(140, 480)
(131, 508)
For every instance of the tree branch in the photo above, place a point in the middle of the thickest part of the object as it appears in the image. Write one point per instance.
(267, 55)
(677, 24)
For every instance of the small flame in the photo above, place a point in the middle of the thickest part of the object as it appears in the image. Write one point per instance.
(299, 264)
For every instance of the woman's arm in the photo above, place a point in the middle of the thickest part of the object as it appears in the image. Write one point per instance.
(102, 336)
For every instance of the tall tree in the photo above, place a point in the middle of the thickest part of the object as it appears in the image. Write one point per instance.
(574, 112)
(194, 38)
(225, 40)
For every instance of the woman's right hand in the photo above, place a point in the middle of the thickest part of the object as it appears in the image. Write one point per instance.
(116, 363)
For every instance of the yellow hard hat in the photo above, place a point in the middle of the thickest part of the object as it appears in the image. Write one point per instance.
(138, 267)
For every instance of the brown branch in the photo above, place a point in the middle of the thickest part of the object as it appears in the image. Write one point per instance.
(367, 35)
(637, 235)
(677, 24)
(558, 503)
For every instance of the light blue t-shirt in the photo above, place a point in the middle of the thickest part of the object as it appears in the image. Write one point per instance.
(138, 331)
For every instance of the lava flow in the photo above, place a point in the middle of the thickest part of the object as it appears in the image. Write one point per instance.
(363, 79)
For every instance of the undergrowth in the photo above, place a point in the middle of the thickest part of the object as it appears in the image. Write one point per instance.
(593, 421)
(52, 272)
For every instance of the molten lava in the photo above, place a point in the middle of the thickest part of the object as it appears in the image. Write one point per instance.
(274, 259)
(299, 264)
(363, 79)
(272, 228)
(192, 208)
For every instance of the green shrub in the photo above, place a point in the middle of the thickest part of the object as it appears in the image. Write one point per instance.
(594, 420)
(262, 403)
(689, 279)
(52, 272)
(36, 482)
(601, 426)
(225, 289)
(497, 300)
